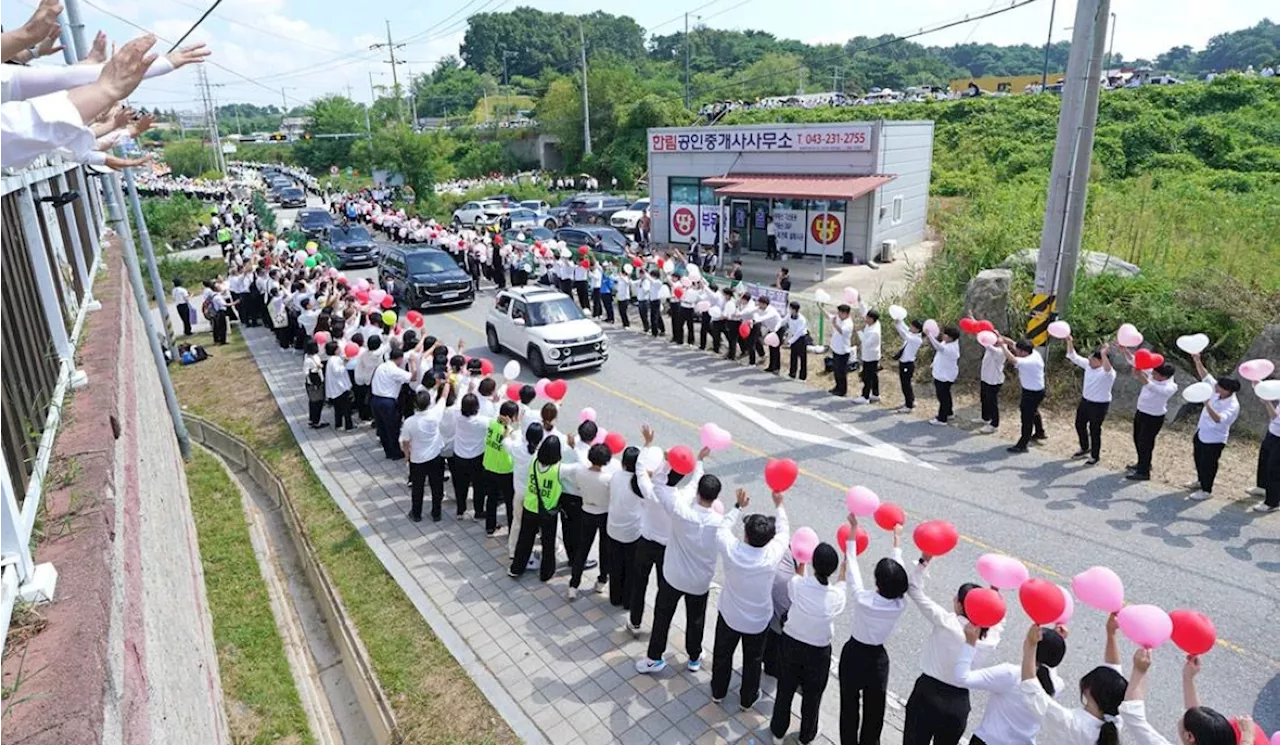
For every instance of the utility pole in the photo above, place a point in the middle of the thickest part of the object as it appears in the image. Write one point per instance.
(1068, 149)
(687, 102)
(391, 48)
(586, 108)
(506, 81)
(835, 80)
(210, 117)
(1111, 47)
(1044, 75)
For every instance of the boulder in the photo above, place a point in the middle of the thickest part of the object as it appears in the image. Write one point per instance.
(1092, 263)
(988, 297)
(1253, 417)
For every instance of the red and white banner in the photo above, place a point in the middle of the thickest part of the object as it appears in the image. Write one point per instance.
(792, 138)
(684, 223)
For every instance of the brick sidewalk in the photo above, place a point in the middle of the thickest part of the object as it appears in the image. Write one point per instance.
(559, 672)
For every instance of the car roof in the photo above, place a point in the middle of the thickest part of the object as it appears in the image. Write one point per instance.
(534, 294)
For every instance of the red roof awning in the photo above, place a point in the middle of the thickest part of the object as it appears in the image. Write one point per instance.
(796, 186)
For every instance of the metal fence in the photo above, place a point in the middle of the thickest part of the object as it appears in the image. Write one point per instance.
(49, 238)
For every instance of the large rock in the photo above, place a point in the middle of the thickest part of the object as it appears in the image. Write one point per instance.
(1253, 417)
(988, 297)
(1092, 263)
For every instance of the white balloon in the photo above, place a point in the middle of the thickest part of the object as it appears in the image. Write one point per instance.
(931, 328)
(851, 295)
(1193, 343)
(650, 458)
(987, 338)
(1128, 335)
(897, 312)
(821, 296)
(511, 370)
(1198, 393)
(1268, 390)
(695, 273)
(628, 268)
(715, 313)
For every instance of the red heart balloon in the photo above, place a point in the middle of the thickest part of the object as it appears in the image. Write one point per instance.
(678, 292)
(860, 539)
(968, 325)
(984, 607)
(780, 474)
(1042, 600)
(744, 329)
(513, 391)
(388, 302)
(1193, 632)
(889, 515)
(556, 390)
(1147, 360)
(986, 326)
(637, 263)
(936, 537)
(681, 459)
(615, 442)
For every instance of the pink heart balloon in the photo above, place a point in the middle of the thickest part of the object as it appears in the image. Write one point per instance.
(1256, 370)
(541, 387)
(1145, 625)
(1002, 572)
(1099, 588)
(714, 437)
(861, 501)
(803, 543)
(587, 414)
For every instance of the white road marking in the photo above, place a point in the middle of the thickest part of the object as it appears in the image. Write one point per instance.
(748, 407)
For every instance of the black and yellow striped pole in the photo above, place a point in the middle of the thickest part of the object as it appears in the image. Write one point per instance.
(1043, 311)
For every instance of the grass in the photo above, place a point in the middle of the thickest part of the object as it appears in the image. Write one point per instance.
(262, 700)
(434, 700)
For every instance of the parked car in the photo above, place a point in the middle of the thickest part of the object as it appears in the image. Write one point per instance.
(468, 213)
(537, 205)
(560, 211)
(527, 235)
(520, 218)
(421, 277)
(352, 246)
(293, 197)
(625, 220)
(314, 221)
(594, 209)
(598, 237)
(547, 328)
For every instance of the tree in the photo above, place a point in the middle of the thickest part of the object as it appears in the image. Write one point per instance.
(422, 158)
(188, 158)
(1177, 59)
(329, 115)
(538, 41)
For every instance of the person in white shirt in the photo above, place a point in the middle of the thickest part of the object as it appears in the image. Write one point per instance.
(746, 602)
(1219, 413)
(1267, 484)
(689, 564)
(657, 290)
(769, 321)
(420, 438)
(1158, 386)
(869, 354)
(337, 387)
(1008, 718)
(366, 362)
(1030, 366)
(591, 483)
(912, 339)
(182, 303)
(595, 279)
(731, 319)
(642, 298)
(313, 372)
(841, 348)
(580, 284)
(864, 663)
(990, 381)
(384, 387)
(816, 601)
(684, 323)
(623, 527)
(1197, 725)
(797, 342)
(622, 292)
(1095, 399)
(308, 317)
(522, 445)
(470, 428)
(945, 369)
(938, 708)
(1102, 692)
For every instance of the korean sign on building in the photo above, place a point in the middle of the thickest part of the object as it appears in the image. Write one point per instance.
(781, 138)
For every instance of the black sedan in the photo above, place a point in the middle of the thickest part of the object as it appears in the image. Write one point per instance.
(598, 238)
(314, 222)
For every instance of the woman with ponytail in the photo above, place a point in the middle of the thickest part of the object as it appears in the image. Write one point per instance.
(1009, 718)
(1198, 725)
(1102, 690)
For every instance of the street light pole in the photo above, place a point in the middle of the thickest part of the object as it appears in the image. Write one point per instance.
(586, 109)
(1044, 75)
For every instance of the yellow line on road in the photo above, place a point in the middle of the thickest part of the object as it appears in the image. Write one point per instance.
(841, 487)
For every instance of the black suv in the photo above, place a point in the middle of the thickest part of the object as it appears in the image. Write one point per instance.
(314, 222)
(594, 209)
(352, 246)
(597, 237)
(292, 196)
(424, 278)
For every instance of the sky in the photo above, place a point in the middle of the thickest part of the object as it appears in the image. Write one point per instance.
(313, 47)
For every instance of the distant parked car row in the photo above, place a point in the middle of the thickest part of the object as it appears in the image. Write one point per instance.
(578, 209)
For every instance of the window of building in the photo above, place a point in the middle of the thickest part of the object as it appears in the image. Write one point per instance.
(683, 190)
(895, 215)
(707, 195)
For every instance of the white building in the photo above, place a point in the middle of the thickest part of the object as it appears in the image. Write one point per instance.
(840, 189)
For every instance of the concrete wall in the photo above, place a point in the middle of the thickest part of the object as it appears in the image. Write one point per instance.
(905, 150)
(128, 653)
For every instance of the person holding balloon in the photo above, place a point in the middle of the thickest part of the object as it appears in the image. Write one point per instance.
(420, 439)
(864, 662)
(1102, 692)
(1267, 485)
(869, 354)
(1030, 366)
(337, 387)
(990, 382)
(655, 528)
(745, 606)
(912, 340)
(1158, 386)
(591, 478)
(1009, 718)
(1220, 411)
(841, 348)
(1095, 399)
(623, 528)
(541, 503)
(816, 601)
(1198, 725)
(945, 368)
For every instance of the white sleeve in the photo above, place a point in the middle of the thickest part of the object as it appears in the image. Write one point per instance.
(40, 126)
(29, 82)
(1134, 716)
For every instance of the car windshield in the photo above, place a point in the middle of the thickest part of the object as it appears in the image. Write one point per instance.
(611, 240)
(351, 234)
(530, 234)
(291, 192)
(535, 206)
(428, 262)
(640, 206)
(560, 310)
(315, 219)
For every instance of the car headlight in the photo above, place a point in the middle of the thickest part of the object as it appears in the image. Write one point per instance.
(556, 353)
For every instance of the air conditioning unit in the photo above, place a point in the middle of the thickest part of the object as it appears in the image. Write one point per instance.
(887, 250)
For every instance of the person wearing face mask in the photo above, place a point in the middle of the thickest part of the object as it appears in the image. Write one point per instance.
(797, 342)
(1198, 725)
(1102, 691)
(1099, 377)
(1219, 413)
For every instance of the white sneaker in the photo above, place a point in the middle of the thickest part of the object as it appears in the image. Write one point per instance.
(937, 423)
(875, 399)
(1193, 485)
(601, 586)
(978, 420)
(1256, 491)
(779, 740)
(902, 410)
(635, 630)
(1264, 508)
(695, 665)
(572, 594)
(644, 666)
(1200, 495)
(987, 430)
(859, 400)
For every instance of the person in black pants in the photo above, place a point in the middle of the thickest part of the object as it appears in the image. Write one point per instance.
(314, 369)
(649, 556)
(420, 439)
(623, 540)
(1267, 484)
(841, 348)
(1095, 399)
(1030, 366)
(1158, 387)
(797, 340)
(541, 501)
(806, 662)
(336, 370)
(1219, 413)
(221, 316)
(656, 325)
(181, 299)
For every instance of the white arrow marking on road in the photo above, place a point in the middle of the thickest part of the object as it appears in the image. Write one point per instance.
(747, 407)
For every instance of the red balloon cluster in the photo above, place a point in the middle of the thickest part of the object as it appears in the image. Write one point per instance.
(780, 474)
(973, 326)
(681, 459)
(1042, 600)
(984, 607)
(1144, 359)
(556, 390)
(615, 442)
(889, 516)
(936, 537)
(860, 539)
(388, 302)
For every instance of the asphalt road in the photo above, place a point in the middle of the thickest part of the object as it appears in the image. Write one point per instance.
(1058, 517)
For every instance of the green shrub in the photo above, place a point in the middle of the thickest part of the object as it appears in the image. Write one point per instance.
(174, 220)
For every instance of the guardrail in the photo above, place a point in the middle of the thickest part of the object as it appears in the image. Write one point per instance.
(49, 238)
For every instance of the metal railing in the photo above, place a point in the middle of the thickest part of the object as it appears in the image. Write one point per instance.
(51, 250)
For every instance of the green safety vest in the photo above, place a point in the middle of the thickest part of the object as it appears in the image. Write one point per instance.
(496, 457)
(224, 235)
(544, 484)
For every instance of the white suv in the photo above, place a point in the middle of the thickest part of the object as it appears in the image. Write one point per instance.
(625, 220)
(547, 328)
(467, 213)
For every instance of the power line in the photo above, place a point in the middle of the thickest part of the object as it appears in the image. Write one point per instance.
(264, 32)
(196, 25)
(681, 16)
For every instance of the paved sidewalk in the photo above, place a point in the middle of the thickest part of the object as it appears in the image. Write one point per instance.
(559, 672)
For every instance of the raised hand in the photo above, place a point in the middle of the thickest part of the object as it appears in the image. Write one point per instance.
(742, 499)
(190, 54)
(98, 52)
(123, 72)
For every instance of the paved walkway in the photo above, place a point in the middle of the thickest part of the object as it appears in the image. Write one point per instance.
(559, 672)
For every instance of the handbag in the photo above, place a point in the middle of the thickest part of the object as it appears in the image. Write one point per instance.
(315, 391)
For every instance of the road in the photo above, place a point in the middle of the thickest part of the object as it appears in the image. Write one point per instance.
(1057, 517)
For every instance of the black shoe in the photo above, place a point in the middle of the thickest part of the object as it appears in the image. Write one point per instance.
(1131, 467)
(1016, 449)
(1138, 476)
(320, 425)
(1091, 462)
(1079, 454)
(415, 518)
(1040, 437)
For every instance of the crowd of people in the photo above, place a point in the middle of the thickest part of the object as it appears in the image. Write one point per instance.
(75, 111)
(655, 516)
